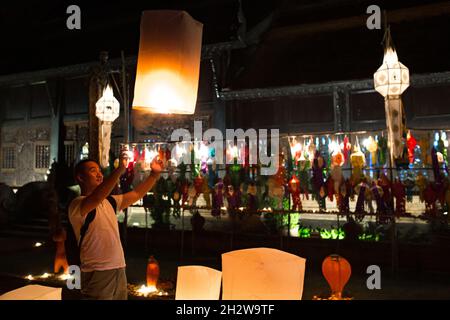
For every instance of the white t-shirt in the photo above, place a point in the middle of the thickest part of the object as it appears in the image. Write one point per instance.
(101, 248)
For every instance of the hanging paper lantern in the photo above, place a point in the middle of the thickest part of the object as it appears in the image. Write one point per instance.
(372, 147)
(411, 143)
(296, 150)
(337, 272)
(168, 63)
(346, 148)
(391, 80)
(107, 110)
(358, 161)
(294, 189)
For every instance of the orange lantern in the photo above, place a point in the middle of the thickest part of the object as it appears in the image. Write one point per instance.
(152, 273)
(337, 271)
(168, 63)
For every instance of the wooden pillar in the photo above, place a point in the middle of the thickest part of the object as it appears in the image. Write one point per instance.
(97, 82)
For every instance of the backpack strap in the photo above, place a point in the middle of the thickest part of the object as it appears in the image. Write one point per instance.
(113, 203)
(91, 216)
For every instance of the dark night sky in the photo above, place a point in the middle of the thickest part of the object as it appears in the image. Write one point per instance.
(35, 37)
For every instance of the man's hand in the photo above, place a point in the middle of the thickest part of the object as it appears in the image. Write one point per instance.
(141, 189)
(157, 166)
(123, 160)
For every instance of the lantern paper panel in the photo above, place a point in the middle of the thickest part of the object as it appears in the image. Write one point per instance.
(395, 125)
(33, 292)
(198, 283)
(104, 143)
(269, 274)
(168, 62)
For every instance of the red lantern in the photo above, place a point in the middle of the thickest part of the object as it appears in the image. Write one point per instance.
(294, 189)
(152, 273)
(337, 271)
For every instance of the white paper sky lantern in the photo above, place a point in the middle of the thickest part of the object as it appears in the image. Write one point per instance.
(33, 292)
(198, 283)
(168, 62)
(262, 274)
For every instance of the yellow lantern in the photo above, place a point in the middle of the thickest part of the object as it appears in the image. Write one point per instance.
(168, 63)
(391, 80)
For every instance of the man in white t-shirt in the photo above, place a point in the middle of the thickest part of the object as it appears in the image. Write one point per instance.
(102, 259)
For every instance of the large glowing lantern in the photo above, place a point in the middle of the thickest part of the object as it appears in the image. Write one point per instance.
(337, 271)
(198, 283)
(33, 292)
(168, 63)
(107, 110)
(391, 80)
(262, 274)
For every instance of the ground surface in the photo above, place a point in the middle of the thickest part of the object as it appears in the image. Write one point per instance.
(19, 258)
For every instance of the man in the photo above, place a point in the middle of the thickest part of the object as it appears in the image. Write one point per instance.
(102, 259)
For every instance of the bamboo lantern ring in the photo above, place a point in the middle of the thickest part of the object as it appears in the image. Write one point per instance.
(168, 63)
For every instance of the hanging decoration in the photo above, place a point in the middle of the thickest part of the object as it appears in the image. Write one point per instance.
(391, 80)
(168, 63)
(358, 161)
(107, 110)
(346, 148)
(294, 189)
(411, 143)
(399, 193)
(318, 179)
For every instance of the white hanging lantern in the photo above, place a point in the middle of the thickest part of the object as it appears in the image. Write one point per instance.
(391, 80)
(107, 110)
(168, 64)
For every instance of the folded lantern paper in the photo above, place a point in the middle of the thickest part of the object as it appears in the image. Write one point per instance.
(262, 274)
(198, 283)
(33, 292)
(168, 63)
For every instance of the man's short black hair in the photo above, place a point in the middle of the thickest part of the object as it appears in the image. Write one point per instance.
(79, 167)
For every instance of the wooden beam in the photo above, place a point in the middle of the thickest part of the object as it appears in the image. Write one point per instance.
(394, 16)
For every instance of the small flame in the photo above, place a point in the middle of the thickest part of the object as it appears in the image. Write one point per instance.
(147, 290)
(38, 244)
(64, 277)
(45, 275)
(29, 277)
